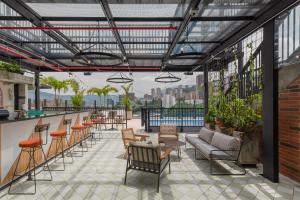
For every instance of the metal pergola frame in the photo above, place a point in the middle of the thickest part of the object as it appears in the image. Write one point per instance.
(264, 18)
(193, 13)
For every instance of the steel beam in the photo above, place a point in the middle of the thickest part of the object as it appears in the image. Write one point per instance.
(109, 42)
(270, 105)
(30, 15)
(193, 6)
(37, 90)
(206, 91)
(112, 24)
(133, 19)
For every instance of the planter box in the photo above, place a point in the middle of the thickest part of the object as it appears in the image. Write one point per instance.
(129, 115)
(15, 78)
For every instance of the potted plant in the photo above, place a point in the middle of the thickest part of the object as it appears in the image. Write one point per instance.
(127, 101)
(210, 118)
(77, 100)
(78, 97)
(9, 70)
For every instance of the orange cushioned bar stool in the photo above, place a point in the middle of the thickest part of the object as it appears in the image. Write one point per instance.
(97, 127)
(29, 146)
(59, 139)
(88, 134)
(78, 137)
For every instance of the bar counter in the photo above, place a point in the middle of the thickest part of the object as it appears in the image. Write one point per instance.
(12, 131)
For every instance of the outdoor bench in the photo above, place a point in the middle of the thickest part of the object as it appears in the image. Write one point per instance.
(215, 146)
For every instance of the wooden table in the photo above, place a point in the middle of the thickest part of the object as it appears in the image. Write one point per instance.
(176, 145)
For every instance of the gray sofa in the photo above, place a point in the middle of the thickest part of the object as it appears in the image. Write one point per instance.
(215, 146)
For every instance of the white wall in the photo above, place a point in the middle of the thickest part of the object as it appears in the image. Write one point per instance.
(8, 96)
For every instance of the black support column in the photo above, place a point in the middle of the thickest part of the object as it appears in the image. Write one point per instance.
(206, 92)
(240, 69)
(270, 104)
(37, 90)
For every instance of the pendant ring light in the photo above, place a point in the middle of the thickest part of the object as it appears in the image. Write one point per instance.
(122, 79)
(107, 59)
(170, 78)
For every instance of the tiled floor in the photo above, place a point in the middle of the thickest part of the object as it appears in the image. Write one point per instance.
(99, 175)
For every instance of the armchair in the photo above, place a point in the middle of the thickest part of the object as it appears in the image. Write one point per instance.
(128, 135)
(167, 132)
(147, 158)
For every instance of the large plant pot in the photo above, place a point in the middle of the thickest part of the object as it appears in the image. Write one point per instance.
(250, 152)
(218, 128)
(129, 114)
(207, 125)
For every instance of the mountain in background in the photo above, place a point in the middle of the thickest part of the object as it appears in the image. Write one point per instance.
(89, 99)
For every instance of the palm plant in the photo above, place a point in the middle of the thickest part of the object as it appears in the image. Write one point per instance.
(107, 89)
(62, 85)
(54, 83)
(96, 91)
(77, 99)
(126, 100)
(74, 85)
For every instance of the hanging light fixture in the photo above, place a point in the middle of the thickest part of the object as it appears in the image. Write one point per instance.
(121, 79)
(169, 78)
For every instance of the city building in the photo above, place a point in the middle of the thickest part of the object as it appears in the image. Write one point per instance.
(200, 86)
(168, 101)
(153, 93)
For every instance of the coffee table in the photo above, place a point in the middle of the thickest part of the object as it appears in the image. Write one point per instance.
(176, 145)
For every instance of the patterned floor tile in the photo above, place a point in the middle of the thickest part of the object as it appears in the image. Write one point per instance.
(100, 175)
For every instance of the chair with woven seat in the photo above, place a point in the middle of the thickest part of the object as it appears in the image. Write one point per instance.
(128, 135)
(30, 146)
(167, 132)
(147, 158)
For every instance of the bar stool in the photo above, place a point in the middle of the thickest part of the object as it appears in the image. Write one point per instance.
(67, 123)
(78, 137)
(98, 121)
(88, 133)
(60, 137)
(30, 146)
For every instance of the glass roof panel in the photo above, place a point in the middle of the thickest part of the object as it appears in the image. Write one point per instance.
(209, 30)
(188, 48)
(148, 10)
(6, 10)
(143, 39)
(67, 9)
(228, 8)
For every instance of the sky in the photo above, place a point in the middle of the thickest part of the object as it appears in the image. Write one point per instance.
(142, 84)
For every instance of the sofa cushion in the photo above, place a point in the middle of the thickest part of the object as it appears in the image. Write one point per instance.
(225, 142)
(144, 152)
(191, 139)
(168, 129)
(206, 135)
(167, 137)
(206, 149)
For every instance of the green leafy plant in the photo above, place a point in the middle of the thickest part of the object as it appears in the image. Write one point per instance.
(74, 85)
(126, 100)
(211, 115)
(10, 67)
(96, 91)
(78, 96)
(52, 82)
(77, 99)
(107, 89)
(102, 91)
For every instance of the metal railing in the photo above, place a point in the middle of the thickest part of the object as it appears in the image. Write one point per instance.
(181, 117)
(109, 115)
